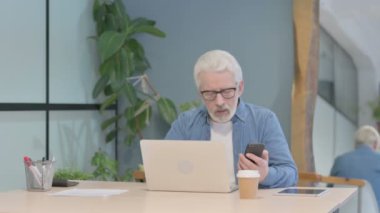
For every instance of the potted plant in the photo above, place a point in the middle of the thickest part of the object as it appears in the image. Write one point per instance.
(122, 73)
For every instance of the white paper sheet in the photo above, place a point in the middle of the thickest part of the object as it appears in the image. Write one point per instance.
(89, 192)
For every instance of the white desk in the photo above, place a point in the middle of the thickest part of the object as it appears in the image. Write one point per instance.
(138, 199)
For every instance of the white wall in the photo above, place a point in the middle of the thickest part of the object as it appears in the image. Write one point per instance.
(332, 135)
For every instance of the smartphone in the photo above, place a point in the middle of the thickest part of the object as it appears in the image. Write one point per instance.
(256, 149)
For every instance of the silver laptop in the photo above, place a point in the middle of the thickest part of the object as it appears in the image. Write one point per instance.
(182, 165)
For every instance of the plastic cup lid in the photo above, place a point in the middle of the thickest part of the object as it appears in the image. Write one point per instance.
(248, 173)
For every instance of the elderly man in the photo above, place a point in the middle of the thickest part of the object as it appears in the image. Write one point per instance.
(364, 161)
(227, 119)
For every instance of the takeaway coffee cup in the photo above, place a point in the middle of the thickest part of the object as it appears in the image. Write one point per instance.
(248, 183)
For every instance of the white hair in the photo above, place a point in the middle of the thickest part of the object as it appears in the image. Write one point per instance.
(217, 61)
(367, 135)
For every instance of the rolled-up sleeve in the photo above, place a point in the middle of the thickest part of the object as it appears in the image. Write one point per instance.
(282, 169)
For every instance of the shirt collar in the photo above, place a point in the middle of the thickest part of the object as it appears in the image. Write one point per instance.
(240, 112)
(363, 147)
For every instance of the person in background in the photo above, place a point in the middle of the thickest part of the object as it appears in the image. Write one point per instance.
(364, 161)
(226, 118)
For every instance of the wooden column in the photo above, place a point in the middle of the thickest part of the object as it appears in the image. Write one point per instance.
(305, 84)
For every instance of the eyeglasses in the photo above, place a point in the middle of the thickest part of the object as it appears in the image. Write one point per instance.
(227, 93)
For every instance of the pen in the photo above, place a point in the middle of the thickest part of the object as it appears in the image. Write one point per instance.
(33, 170)
(43, 172)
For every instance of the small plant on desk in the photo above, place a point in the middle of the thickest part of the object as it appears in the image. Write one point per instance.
(72, 174)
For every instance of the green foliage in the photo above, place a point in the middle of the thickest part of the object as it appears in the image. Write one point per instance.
(122, 71)
(164, 106)
(107, 168)
(122, 77)
(72, 174)
(189, 105)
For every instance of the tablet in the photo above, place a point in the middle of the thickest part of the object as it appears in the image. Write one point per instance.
(302, 191)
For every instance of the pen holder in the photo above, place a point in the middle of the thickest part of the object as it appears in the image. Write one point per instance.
(39, 175)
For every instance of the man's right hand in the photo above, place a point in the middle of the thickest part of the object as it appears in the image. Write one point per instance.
(261, 164)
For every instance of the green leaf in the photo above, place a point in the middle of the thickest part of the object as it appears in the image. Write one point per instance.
(141, 65)
(109, 43)
(107, 67)
(135, 23)
(117, 85)
(167, 109)
(130, 62)
(127, 22)
(123, 63)
(106, 168)
(111, 135)
(130, 92)
(138, 116)
(110, 121)
(117, 66)
(95, 9)
(111, 23)
(108, 102)
(121, 66)
(98, 11)
(129, 113)
(189, 105)
(142, 21)
(117, 8)
(99, 14)
(101, 27)
(108, 90)
(100, 85)
(129, 139)
(142, 107)
(150, 30)
(136, 48)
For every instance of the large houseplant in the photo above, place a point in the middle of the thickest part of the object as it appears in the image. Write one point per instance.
(122, 72)
(122, 69)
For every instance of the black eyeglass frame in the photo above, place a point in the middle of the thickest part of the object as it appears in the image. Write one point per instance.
(225, 93)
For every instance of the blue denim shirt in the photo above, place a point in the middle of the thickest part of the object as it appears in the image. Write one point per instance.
(251, 124)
